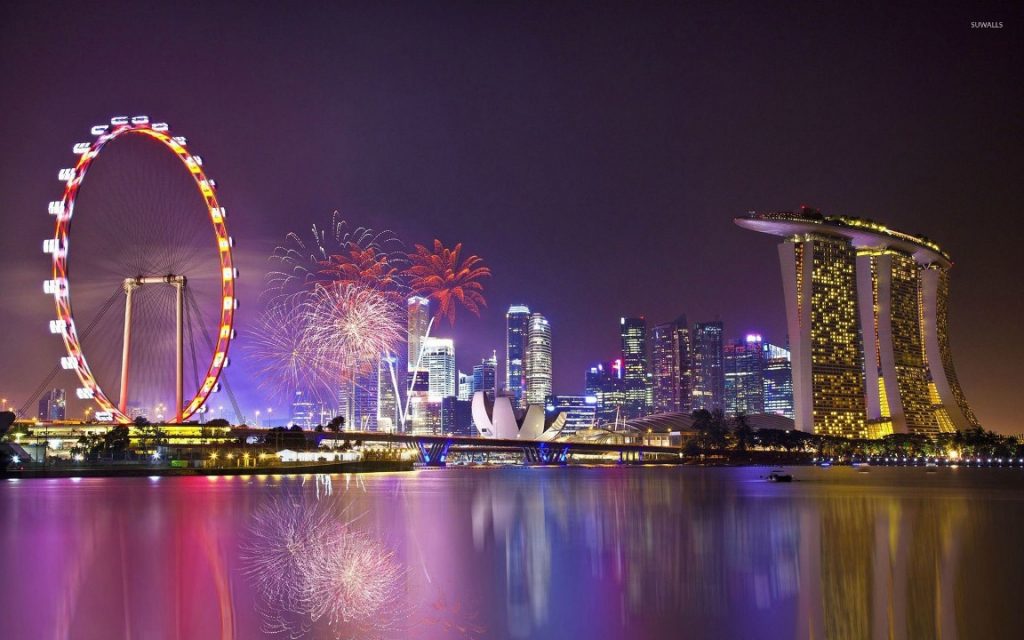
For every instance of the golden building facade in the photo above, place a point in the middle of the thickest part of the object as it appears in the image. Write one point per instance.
(819, 280)
(867, 310)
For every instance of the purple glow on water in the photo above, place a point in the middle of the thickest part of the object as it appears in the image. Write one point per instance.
(515, 553)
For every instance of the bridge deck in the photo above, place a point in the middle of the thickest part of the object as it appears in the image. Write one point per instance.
(473, 442)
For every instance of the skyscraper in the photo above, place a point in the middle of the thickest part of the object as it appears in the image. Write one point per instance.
(457, 417)
(580, 411)
(419, 319)
(388, 379)
(517, 328)
(364, 402)
(867, 312)
(895, 374)
(636, 377)
(708, 375)
(485, 376)
(948, 400)
(53, 405)
(670, 366)
(778, 381)
(439, 363)
(743, 362)
(538, 360)
(604, 383)
(303, 411)
(465, 388)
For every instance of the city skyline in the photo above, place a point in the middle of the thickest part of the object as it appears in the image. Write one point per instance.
(524, 320)
(614, 207)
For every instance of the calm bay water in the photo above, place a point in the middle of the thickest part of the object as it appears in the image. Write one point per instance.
(517, 553)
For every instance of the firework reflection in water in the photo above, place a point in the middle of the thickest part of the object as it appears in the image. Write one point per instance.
(312, 568)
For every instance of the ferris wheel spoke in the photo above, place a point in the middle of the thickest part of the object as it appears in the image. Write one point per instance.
(57, 368)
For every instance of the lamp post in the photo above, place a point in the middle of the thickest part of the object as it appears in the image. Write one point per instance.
(257, 418)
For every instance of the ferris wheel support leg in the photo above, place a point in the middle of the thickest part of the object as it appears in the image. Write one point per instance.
(126, 345)
(179, 353)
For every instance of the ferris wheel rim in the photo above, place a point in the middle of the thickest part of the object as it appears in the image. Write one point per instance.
(59, 285)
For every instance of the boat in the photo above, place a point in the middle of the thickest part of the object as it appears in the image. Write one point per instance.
(779, 475)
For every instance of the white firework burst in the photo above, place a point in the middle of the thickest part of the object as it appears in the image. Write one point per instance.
(335, 252)
(351, 326)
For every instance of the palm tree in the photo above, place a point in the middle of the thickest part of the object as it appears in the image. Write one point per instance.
(440, 276)
(743, 432)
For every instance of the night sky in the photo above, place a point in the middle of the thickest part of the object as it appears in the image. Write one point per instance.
(594, 157)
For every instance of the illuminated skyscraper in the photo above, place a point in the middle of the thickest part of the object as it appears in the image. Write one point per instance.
(364, 402)
(636, 377)
(388, 379)
(517, 328)
(439, 363)
(828, 379)
(604, 383)
(670, 366)
(485, 376)
(538, 360)
(465, 387)
(419, 318)
(867, 313)
(457, 417)
(435, 381)
(895, 375)
(53, 405)
(580, 411)
(303, 411)
(778, 381)
(743, 362)
(708, 375)
(948, 400)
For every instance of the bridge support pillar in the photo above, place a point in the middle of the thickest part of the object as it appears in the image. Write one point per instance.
(433, 454)
(546, 453)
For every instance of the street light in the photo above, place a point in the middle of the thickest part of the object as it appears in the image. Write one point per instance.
(257, 417)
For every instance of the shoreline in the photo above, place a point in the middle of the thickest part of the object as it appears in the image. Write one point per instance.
(390, 466)
(131, 471)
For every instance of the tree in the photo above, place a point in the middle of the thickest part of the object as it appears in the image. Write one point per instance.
(6, 420)
(218, 422)
(286, 438)
(141, 421)
(711, 429)
(336, 424)
(151, 433)
(116, 440)
(743, 432)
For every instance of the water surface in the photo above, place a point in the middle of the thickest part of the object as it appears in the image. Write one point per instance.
(620, 552)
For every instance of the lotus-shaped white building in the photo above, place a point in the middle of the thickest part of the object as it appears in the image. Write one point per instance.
(498, 419)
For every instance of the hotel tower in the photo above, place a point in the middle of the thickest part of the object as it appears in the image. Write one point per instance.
(867, 309)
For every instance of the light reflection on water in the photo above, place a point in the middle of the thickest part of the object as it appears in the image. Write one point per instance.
(517, 553)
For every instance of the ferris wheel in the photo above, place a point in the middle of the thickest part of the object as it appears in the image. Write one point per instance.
(149, 234)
